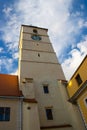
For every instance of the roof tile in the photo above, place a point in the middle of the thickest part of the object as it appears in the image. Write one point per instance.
(9, 85)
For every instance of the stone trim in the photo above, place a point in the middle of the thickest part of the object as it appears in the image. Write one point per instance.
(39, 51)
(57, 126)
(40, 62)
(29, 100)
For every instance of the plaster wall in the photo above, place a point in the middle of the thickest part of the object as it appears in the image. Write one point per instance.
(28, 29)
(15, 115)
(30, 116)
(73, 86)
(37, 46)
(39, 56)
(41, 71)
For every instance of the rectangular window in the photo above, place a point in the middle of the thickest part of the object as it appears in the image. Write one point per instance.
(49, 114)
(45, 88)
(4, 113)
(78, 79)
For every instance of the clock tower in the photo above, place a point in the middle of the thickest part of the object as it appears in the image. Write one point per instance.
(45, 103)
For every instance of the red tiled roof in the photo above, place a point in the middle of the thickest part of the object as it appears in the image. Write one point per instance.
(9, 85)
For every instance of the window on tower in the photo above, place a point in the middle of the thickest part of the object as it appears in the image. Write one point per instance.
(45, 88)
(34, 30)
(38, 54)
(49, 114)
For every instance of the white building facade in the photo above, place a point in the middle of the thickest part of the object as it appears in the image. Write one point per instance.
(45, 104)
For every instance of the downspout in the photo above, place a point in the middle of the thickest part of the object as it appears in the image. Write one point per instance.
(21, 114)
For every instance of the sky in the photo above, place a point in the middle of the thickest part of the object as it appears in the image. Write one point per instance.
(66, 21)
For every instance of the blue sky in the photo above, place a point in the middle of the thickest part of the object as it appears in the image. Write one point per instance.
(66, 21)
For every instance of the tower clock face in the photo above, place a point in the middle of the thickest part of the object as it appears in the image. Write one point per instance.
(36, 37)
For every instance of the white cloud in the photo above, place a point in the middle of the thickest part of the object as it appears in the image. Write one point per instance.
(7, 11)
(6, 63)
(54, 15)
(75, 58)
(15, 55)
(82, 6)
(51, 14)
(15, 73)
(1, 49)
(82, 23)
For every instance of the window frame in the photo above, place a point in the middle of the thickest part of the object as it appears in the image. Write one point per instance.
(78, 79)
(49, 113)
(4, 113)
(85, 101)
(46, 88)
(35, 31)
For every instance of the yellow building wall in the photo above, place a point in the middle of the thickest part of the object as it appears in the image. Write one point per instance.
(83, 105)
(73, 85)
